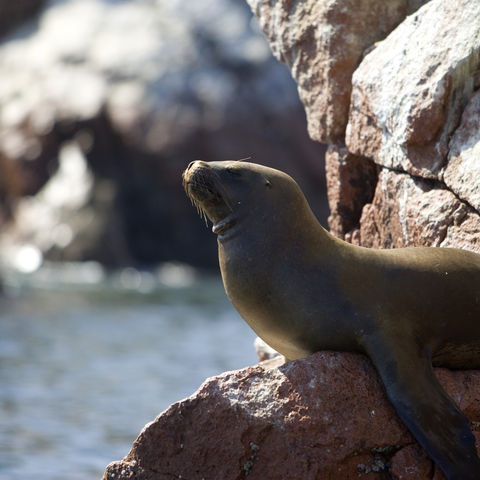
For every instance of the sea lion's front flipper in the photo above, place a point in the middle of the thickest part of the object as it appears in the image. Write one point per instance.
(429, 413)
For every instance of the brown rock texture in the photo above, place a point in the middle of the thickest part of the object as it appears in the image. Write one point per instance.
(325, 417)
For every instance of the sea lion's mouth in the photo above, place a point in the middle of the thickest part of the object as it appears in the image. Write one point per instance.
(223, 225)
(206, 192)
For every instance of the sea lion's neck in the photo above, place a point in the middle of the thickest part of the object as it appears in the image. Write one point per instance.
(256, 230)
(222, 227)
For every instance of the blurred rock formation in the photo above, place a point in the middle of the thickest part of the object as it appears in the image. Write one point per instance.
(114, 99)
(324, 417)
(393, 87)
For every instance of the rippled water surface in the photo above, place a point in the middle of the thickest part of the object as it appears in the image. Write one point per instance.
(83, 369)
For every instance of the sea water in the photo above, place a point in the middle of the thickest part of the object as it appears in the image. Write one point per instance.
(83, 367)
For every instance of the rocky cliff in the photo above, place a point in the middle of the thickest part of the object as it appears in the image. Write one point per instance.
(393, 88)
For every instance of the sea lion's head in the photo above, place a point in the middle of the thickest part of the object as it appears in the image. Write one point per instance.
(226, 191)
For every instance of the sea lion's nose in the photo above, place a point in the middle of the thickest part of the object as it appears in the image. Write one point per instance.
(197, 163)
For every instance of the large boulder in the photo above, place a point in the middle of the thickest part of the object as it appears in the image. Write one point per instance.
(140, 89)
(409, 92)
(323, 417)
(414, 111)
(322, 43)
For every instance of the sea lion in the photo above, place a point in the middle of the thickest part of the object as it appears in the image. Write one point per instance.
(303, 290)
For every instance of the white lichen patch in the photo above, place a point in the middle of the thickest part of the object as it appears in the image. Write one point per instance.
(254, 394)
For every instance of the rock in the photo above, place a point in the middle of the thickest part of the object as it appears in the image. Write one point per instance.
(409, 92)
(325, 417)
(322, 43)
(408, 211)
(463, 169)
(72, 216)
(404, 81)
(351, 182)
(143, 88)
(411, 463)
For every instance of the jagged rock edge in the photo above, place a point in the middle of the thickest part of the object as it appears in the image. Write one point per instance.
(436, 184)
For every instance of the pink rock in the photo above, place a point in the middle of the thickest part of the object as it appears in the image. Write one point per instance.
(322, 43)
(413, 212)
(462, 173)
(409, 92)
(324, 417)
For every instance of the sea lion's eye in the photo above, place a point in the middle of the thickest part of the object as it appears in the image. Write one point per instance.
(268, 183)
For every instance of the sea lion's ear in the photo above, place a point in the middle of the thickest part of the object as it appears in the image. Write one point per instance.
(243, 159)
(267, 182)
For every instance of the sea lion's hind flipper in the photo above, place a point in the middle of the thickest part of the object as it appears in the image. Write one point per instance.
(420, 401)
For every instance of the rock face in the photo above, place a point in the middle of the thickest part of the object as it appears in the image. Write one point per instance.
(322, 43)
(407, 99)
(408, 211)
(324, 417)
(394, 90)
(463, 169)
